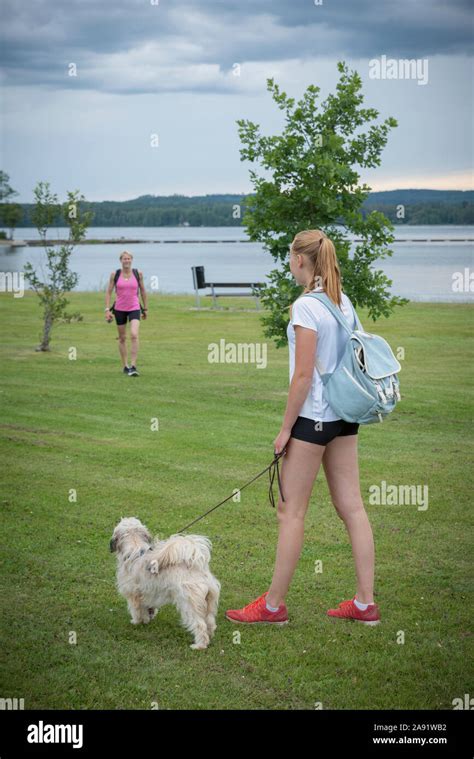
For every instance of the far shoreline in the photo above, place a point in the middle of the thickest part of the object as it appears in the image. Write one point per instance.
(130, 241)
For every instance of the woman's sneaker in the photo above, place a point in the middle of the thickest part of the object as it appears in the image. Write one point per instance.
(126, 369)
(348, 610)
(256, 612)
(133, 372)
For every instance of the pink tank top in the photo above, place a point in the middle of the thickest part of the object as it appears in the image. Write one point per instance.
(127, 294)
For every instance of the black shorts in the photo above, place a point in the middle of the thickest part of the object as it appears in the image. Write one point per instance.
(322, 432)
(121, 317)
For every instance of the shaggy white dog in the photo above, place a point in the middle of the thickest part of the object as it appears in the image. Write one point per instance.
(176, 571)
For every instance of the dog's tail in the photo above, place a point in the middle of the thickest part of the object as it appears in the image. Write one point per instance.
(191, 550)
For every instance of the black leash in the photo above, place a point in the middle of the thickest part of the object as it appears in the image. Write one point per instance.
(271, 468)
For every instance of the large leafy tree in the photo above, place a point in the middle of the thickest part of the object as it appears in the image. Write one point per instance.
(311, 180)
(59, 279)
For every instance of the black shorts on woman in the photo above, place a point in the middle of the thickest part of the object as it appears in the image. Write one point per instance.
(321, 433)
(121, 317)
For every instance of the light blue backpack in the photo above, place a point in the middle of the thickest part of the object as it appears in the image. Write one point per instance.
(364, 387)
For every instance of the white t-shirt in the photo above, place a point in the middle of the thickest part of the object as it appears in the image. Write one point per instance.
(331, 341)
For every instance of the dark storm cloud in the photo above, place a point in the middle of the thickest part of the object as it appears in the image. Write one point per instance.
(134, 46)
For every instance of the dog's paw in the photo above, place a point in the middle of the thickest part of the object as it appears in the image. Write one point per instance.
(199, 646)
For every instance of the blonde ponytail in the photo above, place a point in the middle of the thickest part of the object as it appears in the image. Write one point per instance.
(321, 253)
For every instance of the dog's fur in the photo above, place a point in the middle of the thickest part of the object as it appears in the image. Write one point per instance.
(153, 573)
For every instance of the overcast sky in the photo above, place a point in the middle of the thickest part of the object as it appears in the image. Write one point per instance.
(168, 68)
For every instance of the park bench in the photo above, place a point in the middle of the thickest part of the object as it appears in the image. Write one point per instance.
(199, 282)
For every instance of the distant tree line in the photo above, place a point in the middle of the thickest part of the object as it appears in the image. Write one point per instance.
(426, 213)
(423, 206)
(400, 206)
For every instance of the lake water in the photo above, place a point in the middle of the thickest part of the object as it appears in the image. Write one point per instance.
(421, 271)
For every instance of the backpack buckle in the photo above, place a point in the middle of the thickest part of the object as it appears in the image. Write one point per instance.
(381, 393)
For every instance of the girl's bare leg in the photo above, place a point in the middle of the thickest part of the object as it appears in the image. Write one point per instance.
(299, 468)
(341, 468)
(123, 343)
(134, 329)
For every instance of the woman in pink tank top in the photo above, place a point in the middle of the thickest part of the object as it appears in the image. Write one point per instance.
(128, 285)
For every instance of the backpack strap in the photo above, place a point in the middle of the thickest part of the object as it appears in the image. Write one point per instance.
(336, 312)
(358, 321)
(117, 275)
(137, 277)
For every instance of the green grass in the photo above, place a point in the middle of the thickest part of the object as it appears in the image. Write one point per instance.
(82, 425)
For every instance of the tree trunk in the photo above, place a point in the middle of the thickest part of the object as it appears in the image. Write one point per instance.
(48, 325)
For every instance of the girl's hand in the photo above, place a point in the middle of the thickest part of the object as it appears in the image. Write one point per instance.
(281, 440)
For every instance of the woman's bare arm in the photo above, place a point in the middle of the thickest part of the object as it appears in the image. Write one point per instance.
(109, 291)
(305, 352)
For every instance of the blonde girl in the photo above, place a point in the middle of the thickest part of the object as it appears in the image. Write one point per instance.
(312, 434)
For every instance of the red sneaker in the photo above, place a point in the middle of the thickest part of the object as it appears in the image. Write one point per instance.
(348, 610)
(257, 612)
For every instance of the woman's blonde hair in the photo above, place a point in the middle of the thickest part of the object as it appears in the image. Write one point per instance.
(321, 253)
(126, 253)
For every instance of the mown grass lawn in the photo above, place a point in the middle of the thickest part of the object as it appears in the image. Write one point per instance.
(81, 425)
